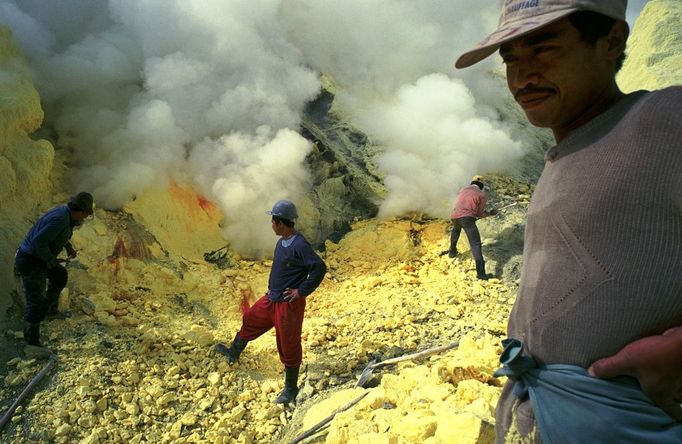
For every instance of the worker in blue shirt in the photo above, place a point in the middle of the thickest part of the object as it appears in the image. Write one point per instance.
(36, 260)
(296, 272)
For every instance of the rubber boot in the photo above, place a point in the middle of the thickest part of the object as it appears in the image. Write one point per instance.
(290, 386)
(480, 271)
(53, 304)
(32, 333)
(233, 351)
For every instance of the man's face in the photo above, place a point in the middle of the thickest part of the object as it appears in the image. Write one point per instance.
(277, 227)
(79, 217)
(556, 77)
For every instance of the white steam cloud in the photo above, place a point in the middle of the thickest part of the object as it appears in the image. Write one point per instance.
(212, 90)
(393, 62)
(435, 139)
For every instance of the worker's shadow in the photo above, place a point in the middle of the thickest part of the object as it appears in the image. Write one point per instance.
(506, 251)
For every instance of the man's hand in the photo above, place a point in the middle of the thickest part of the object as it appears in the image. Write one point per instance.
(656, 362)
(291, 294)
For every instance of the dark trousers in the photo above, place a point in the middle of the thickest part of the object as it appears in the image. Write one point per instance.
(469, 226)
(40, 298)
(286, 317)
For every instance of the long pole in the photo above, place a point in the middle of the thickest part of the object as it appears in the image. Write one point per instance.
(316, 428)
(6, 417)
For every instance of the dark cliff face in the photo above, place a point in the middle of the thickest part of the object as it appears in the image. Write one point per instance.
(346, 185)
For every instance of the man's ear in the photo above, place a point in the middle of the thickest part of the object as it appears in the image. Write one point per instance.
(617, 39)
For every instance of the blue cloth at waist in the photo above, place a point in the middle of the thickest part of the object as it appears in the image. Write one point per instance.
(571, 407)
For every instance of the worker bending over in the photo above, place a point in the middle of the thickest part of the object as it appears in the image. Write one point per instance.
(36, 260)
(469, 206)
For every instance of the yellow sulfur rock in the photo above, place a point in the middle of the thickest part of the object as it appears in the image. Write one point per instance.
(165, 399)
(199, 335)
(383, 418)
(415, 428)
(205, 404)
(224, 424)
(176, 430)
(132, 408)
(89, 406)
(102, 302)
(237, 413)
(432, 392)
(337, 435)
(246, 396)
(63, 430)
(189, 419)
(105, 318)
(470, 391)
(376, 438)
(214, 378)
(86, 422)
(464, 428)
(155, 391)
(101, 404)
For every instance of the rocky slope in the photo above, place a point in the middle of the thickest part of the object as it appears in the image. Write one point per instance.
(25, 164)
(136, 362)
(654, 53)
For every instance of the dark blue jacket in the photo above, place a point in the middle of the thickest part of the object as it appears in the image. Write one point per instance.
(295, 266)
(48, 236)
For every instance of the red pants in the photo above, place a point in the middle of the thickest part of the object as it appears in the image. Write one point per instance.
(286, 317)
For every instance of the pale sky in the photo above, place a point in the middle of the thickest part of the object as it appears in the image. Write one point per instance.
(634, 8)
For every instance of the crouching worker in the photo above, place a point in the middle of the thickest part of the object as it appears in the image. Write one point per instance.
(37, 264)
(470, 205)
(296, 272)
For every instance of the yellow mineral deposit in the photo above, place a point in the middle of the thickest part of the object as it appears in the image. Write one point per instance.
(137, 364)
(136, 359)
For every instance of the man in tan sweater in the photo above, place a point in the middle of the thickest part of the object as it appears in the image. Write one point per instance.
(596, 354)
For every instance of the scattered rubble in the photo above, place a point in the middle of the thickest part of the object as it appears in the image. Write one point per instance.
(136, 359)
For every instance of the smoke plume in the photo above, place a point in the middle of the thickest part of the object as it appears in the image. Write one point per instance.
(210, 91)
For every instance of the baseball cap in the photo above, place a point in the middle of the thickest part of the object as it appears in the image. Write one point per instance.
(520, 17)
(478, 179)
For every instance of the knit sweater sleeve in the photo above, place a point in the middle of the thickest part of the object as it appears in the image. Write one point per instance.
(315, 266)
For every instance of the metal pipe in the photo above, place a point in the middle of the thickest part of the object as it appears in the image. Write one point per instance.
(8, 415)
